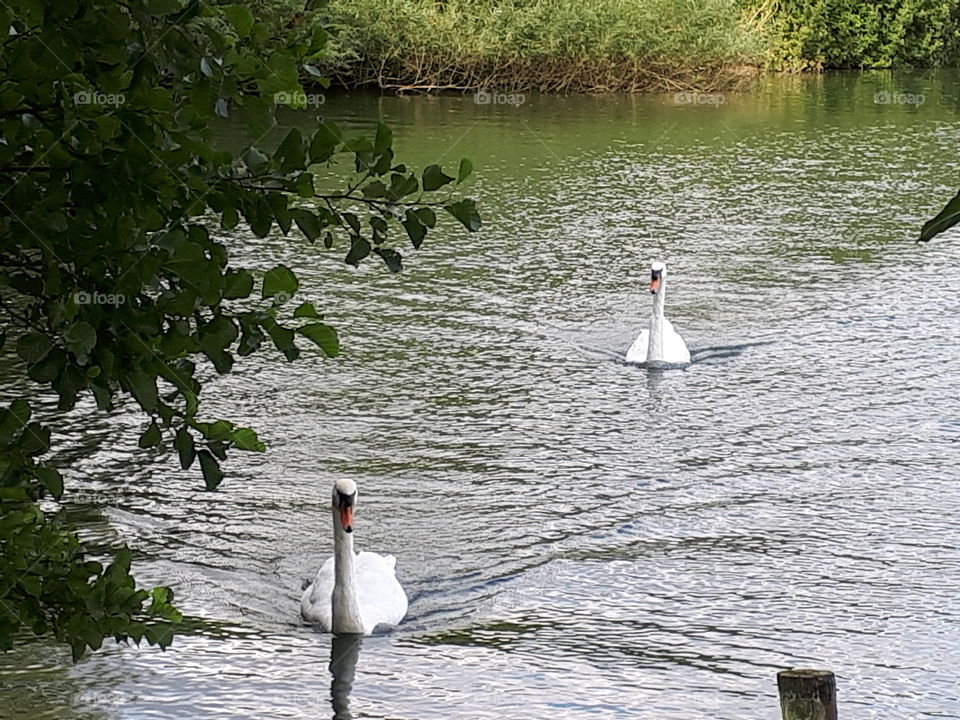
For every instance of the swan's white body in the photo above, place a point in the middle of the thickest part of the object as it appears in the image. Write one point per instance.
(660, 344)
(353, 592)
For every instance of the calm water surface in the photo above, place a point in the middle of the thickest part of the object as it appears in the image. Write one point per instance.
(580, 537)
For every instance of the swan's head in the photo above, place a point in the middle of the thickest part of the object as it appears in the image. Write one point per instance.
(658, 271)
(344, 501)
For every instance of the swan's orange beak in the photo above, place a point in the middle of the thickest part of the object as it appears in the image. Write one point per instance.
(346, 517)
(654, 284)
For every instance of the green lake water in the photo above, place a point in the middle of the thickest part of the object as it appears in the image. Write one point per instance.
(581, 537)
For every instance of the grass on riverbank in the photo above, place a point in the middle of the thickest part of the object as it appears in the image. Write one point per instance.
(545, 45)
(566, 46)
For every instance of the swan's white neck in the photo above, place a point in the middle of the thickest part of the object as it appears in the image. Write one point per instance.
(345, 610)
(655, 343)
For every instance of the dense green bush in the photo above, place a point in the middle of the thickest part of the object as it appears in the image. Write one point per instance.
(844, 34)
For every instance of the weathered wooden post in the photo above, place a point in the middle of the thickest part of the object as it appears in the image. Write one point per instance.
(807, 694)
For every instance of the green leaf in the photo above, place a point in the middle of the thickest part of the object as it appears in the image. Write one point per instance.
(358, 144)
(163, 7)
(466, 167)
(434, 178)
(291, 153)
(258, 113)
(161, 596)
(51, 479)
(283, 338)
(383, 140)
(13, 419)
(35, 439)
(246, 439)
(325, 142)
(212, 474)
(49, 368)
(33, 347)
(230, 217)
(282, 73)
(304, 185)
(215, 337)
(415, 228)
(152, 437)
(237, 285)
(278, 203)
(308, 223)
(260, 215)
(32, 585)
(945, 219)
(250, 339)
(143, 386)
(80, 338)
(375, 189)
(240, 17)
(380, 228)
(306, 310)
(391, 257)
(401, 186)
(426, 216)
(466, 212)
(103, 396)
(359, 249)
(219, 430)
(318, 41)
(324, 336)
(183, 442)
(280, 281)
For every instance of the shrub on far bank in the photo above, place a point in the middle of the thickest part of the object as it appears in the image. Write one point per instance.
(801, 34)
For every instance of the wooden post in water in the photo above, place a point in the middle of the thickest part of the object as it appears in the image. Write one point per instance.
(807, 694)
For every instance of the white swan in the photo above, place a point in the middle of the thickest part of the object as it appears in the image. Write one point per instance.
(353, 593)
(660, 344)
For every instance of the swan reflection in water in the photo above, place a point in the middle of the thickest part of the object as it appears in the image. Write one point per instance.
(344, 652)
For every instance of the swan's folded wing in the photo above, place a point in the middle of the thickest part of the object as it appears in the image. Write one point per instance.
(382, 599)
(674, 348)
(638, 350)
(315, 605)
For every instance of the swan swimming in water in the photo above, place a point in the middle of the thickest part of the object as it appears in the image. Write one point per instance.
(353, 592)
(660, 344)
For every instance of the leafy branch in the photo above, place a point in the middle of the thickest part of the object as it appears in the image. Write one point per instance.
(116, 279)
